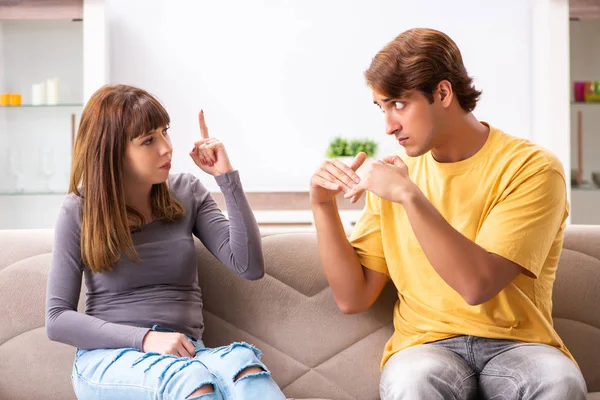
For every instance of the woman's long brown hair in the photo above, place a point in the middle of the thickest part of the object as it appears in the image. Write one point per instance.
(113, 116)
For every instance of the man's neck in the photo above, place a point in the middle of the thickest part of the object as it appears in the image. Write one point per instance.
(461, 138)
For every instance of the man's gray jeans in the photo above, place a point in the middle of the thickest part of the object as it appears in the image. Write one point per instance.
(468, 367)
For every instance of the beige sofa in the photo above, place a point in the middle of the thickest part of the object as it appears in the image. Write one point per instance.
(313, 349)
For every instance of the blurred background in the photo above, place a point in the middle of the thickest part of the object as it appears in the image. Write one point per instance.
(281, 83)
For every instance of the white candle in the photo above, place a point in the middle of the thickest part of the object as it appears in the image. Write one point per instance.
(52, 91)
(38, 94)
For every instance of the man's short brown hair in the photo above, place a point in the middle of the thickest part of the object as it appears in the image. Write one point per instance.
(419, 59)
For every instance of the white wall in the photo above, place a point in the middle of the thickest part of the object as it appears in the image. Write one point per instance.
(278, 80)
(549, 78)
(2, 87)
(95, 47)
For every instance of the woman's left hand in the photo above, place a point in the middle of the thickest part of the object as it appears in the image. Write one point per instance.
(209, 153)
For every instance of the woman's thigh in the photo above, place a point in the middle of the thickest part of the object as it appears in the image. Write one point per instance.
(123, 374)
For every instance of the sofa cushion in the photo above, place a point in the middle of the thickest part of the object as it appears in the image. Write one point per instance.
(306, 341)
(313, 350)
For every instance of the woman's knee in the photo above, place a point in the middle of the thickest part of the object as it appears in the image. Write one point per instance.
(244, 360)
(190, 380)
(249, 372)
(204, 389)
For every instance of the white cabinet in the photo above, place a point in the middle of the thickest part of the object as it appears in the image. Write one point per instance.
(63, 41)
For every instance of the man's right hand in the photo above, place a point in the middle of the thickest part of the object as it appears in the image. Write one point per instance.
(334, 176)
(168, 343)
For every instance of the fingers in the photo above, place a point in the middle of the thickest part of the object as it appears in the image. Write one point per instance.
(199, 156)
(330, 177)
(203, 127)
(182, 351)
(182, 347)
(207, 156)
(188, 346)
(335, 175)
(194, 154)
(206, 150)
(389, 159)
(356, 197)
(358, 161)
(394, 160)
(320, 181)
(342, 172)
(355, 192)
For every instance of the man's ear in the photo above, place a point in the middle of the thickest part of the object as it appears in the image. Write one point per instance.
(445, 93)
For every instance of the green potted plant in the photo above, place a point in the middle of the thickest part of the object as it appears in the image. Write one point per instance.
(346, 149)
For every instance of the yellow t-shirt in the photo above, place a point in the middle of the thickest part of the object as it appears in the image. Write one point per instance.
(510, 199)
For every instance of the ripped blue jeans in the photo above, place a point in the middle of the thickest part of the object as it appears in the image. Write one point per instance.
(124, 374)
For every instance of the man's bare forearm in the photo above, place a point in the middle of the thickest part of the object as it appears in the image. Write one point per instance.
(340, 261)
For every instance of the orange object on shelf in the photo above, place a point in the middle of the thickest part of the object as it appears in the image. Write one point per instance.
(4, 99)
(15, 99)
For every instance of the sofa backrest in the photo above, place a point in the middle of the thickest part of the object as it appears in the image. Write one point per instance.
(312, 349)
(576, 299)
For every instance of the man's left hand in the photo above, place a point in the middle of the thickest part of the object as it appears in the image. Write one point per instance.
(387, 178)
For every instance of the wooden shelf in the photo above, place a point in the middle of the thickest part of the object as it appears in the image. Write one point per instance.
(42, 106)
(41, 9)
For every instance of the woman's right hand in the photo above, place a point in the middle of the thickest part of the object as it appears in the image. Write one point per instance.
(334, 176)
(168, 343)
(209, 153)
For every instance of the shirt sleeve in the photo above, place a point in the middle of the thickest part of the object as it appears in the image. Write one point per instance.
(366, 237)
(523, 225)
(63, 322)
(235, 242)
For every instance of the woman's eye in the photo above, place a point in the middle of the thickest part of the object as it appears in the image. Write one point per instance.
(147, 142)
(165, 131)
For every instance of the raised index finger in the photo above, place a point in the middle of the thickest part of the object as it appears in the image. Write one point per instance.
(203, 127)
(347, 170)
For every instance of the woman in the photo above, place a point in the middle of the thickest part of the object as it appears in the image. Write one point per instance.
(126, 226)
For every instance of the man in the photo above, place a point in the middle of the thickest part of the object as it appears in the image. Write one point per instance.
(468, 224)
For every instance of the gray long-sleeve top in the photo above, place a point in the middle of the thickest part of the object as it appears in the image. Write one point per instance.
(163, 289)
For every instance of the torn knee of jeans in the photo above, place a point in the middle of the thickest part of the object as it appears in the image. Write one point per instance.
(243, 373)
(209, 390)
(234, 345)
